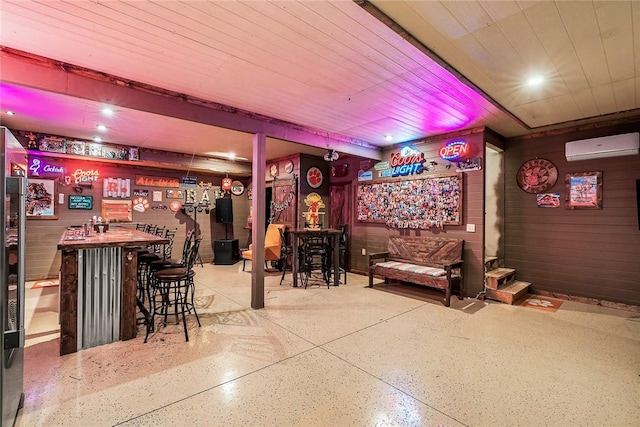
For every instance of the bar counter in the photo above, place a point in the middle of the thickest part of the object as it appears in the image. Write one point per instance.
(98, 286)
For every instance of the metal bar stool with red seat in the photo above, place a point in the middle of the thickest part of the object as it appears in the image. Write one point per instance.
(170, 289)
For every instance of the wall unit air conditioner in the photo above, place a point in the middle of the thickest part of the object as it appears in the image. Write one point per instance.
(607, 146)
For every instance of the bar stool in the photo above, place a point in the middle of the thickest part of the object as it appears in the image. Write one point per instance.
(315, 257)
(170, 289)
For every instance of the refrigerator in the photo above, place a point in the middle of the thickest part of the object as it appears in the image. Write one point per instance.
(14, 167)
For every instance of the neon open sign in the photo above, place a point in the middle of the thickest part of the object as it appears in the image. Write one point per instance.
(454, 150)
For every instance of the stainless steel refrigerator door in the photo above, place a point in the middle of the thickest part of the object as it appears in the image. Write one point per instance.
(13, 281)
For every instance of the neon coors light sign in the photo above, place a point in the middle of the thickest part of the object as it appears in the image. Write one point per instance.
(407, 161)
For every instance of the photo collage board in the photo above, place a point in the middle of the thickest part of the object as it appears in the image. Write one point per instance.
(415, 203)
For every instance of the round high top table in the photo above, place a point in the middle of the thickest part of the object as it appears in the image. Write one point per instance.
(334, 235)
(98, 286)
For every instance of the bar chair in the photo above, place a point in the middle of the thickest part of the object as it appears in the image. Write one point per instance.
(315, 258)
(172, 289)
(286, 253)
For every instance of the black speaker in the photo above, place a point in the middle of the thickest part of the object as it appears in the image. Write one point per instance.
(224, 210)
(226, 252)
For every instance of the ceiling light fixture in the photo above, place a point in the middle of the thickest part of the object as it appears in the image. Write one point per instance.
(388, 137)
(97, 139)
(535, 80)
(332, 155)
(102, 128)
(11, 113)
(107, 111)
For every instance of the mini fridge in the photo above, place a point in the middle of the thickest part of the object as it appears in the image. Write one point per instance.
(12, 254)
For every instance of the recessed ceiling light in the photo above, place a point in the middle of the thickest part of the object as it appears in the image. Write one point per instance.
(388, 137)
(535, 80)
(230, 156)
(11, 113)
(107, 111)
(97, 139)
(102, 128)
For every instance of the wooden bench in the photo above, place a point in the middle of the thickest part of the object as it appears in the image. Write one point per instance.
(430, 261)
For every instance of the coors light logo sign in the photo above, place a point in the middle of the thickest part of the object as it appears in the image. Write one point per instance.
(407, 161)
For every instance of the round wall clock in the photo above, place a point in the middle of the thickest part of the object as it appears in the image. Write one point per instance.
(288, 167)
(314, 177)
(537, 175)
(237, 188)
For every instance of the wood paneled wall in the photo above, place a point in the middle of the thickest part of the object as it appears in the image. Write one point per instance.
(43, 258)
(592, 254)
(374, 237)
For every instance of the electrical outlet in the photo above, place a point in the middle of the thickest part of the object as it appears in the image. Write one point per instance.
(364, 251)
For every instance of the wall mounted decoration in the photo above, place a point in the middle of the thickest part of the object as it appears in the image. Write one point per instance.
(117, 210)
(140, 204)
(41, 198)
(175, 206)
(116, 187)
(314, 177)
(80, 202)
(157, 196)
(237, 188)
(537, 175)
(421, 203)
(288, 166)
(273, 170)
(137, 192)
(313, 217)
(583, 190)
(548, 200)
(157, 181)
(174, 194)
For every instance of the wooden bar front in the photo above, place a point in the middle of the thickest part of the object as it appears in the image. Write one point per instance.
(129, 240)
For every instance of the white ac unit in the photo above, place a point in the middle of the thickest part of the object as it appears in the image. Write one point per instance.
(607, 146)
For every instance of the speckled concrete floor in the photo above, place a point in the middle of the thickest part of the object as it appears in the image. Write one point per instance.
(345, 356)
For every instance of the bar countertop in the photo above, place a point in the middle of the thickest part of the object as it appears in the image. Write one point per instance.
(115, 237)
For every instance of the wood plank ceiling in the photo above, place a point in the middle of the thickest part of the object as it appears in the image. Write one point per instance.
(335, 68)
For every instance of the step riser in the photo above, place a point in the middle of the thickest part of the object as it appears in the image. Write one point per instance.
(508, 297)
(496, 283)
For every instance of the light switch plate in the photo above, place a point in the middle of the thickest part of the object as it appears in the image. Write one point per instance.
(61, 199)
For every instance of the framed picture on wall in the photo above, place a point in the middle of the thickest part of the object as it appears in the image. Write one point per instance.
(41, 199)
(584, 190)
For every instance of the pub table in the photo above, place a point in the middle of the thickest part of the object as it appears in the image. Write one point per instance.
(98, 286)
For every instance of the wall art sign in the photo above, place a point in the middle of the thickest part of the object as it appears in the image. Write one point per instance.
(227, 183)
(174, 194)
(583, 190)
(469, 165)
(237, 188)
(39, 167)
(138, 192)
(189, 181)
(157, 196)
(140, 204)
(157, 181)
(548, 200)
(41, 199)
(117, 210)
(365, 175)
(80, 202)
(537, 175)
(81, 176)
(415, 203)
(314, 177)
(116, 187)
(407, 161)
(455, 150)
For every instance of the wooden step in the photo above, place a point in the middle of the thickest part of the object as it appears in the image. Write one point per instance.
(490, 263)
(499, 277)
(510, 293)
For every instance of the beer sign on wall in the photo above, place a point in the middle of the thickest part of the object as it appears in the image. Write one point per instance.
(116, 187)
(407, 161)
